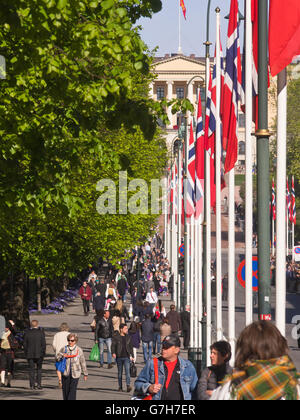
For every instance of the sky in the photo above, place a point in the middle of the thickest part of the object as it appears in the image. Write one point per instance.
(162, 30)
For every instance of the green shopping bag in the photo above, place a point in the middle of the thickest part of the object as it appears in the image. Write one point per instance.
(95, 354)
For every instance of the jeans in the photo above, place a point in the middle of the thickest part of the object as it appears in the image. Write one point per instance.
(147, 350)
(156, 340)
(123, 361)
(106, 341)
(86, 306)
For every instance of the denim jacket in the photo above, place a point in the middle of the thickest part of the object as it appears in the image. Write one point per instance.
(188, 379)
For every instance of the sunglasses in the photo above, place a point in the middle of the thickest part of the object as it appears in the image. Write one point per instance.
(71, 341)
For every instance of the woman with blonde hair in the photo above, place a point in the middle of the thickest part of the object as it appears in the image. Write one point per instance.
(59, 341)
(75, 365)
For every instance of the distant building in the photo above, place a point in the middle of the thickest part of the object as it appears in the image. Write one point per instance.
(174, 73)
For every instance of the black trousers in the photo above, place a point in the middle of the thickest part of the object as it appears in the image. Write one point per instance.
(86, 306)
(35, 371)
(186, 338)
(69, 386)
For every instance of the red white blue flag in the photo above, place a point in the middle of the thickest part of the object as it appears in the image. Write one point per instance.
(190, 180)
(232, 88)
(293, 209)
(199, 172)
(288, 200)
(273, 201)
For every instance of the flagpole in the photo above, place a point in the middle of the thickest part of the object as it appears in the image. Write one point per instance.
(192, 233)
(263, 170)
(206, 309)
(281, 203)
(248, 164)
(231, 263)
(179, 30)
(179, 210)
(218, 183)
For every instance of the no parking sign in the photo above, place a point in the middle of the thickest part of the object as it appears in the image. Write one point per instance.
(297, 253)
(241, 273)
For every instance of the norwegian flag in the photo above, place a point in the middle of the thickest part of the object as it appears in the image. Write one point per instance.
(273, 201)
(199, 172)
(288, 200)
(293, 209)
(190, 180)
(232, 92)
(254, 19)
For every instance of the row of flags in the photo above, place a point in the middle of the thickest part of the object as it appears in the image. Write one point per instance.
(284, 34)
(290, 201)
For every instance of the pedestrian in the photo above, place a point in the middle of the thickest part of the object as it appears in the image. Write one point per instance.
(60, 340)
(165, 329)
(174, 319)
(151, 297)
(34, 351)
(7, 353)
(157, 320)
(75, 365)
(147, 337)
(212, 376)
(122, 287)
(98, 302)
(177, 378)
(186, 324)
(120, 306)
(225, 287)
(103, 335)
(134, 333)
(122, 350)
(86, 295)
(263, 368)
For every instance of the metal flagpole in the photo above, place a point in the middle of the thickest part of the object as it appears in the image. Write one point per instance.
(248, 163)
(178, 220)
(263, 170)
(192, 266)
(206, 319)
(218, 183)
(231, 263)
(281, 203)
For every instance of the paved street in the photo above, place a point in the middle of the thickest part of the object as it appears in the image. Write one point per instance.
(102, 384)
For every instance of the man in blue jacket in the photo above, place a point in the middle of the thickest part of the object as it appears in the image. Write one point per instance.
(177, 378)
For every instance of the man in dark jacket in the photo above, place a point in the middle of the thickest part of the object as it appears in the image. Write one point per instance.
(104, 332)
(99, 302)
(174, 319)
(34, 350)
(122, 287)
(185, 323)
(122, 351)
(147, 337)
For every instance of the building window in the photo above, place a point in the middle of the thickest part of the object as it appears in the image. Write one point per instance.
(160, 93)
(180, 93)
(242, 121)
(242, 148)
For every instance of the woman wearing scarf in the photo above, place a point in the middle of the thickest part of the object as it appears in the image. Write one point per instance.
(263, 369)
(212, 376)
(74, 366)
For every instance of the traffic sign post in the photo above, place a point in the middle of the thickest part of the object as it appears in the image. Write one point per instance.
(241, 273)
(297, 253)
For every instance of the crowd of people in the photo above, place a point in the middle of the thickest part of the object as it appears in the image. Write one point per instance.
(262, 368)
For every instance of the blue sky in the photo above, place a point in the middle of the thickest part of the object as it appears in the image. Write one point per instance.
(162, 30)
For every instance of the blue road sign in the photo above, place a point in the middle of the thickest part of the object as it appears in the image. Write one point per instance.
(241, 273)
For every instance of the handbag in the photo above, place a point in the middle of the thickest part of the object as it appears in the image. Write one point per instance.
(155, 364)
(95, 354)
(61, 364)
(133, 370)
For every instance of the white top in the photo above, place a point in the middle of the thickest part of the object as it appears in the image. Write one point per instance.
(60, 341)
(151, 297)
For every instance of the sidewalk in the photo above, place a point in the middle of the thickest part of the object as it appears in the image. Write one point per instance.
(102, 384)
